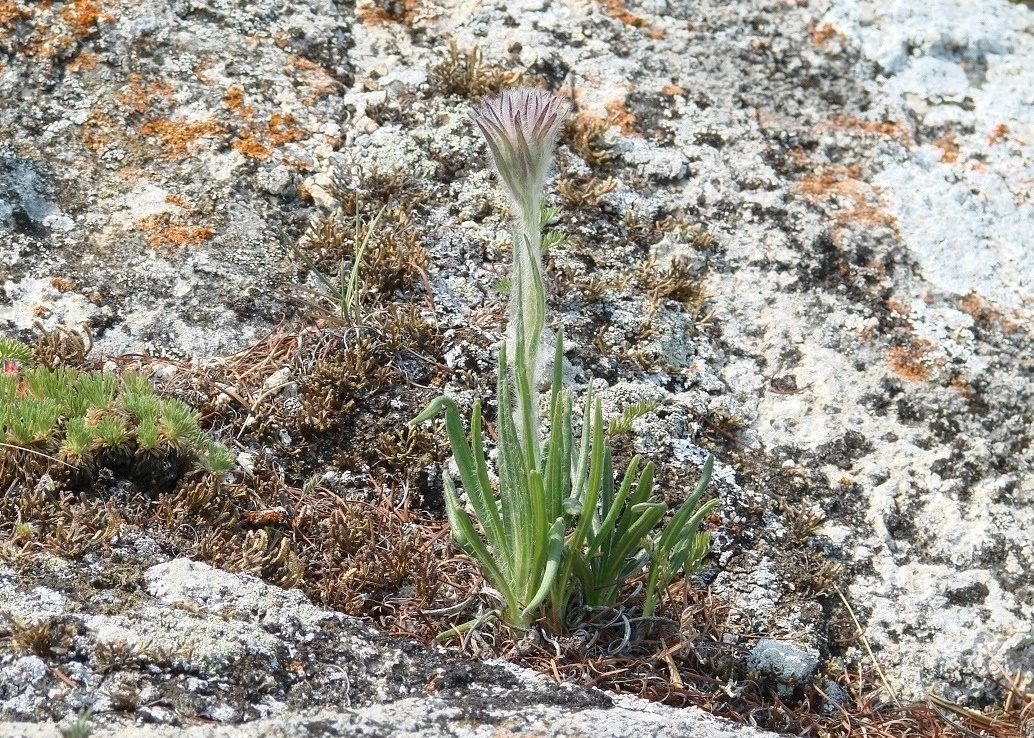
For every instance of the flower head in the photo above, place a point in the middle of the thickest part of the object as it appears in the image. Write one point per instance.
(521, 127)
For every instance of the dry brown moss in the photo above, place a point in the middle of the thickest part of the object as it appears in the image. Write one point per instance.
(379, 212)
(585, 134)
(354, 542)
(465, 73)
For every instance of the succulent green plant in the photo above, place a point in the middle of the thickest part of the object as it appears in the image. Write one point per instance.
(143, 406)
(177, 423)
(8, 389)
(52, 384)
(80, 727)
(134, 382)
(71, 417)
(556, 525)
(147, 435)
(215, 459)
(112, 432)
(30, 421)
(92, 390)
(13, 351)
(78, 441)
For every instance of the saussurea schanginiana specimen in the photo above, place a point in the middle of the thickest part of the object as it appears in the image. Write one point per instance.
(557, 524)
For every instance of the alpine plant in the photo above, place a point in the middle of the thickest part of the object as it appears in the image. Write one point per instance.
(555, 524)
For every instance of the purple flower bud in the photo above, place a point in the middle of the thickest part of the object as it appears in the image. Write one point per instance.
(521, 127)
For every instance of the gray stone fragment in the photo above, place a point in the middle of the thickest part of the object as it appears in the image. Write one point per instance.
(786, 664)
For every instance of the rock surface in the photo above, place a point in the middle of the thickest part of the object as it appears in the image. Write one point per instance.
(202, 644)
(863, 170)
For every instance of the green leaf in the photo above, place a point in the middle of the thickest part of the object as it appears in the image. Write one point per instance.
(480, 496)
(612, 510)
(467, 538)
(432, 410)
(513, 484)
(681, 517)
(554, 554)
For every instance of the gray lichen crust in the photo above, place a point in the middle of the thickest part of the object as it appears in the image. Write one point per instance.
(198, 643)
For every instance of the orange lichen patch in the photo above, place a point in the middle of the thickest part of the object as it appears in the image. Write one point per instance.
(10, 13)
(979, 308)
(140, 96)
(248, 145)
(621, 117)
(40, 311)
(99, 132)
(854, 199)
(984, 312)
(672, 90)
(949, 148)
(318, 80)
(82, 16)
(53, 33)
(821, 33)
(895, 129)
(616, 8)
(235, 102)
(908, 361)
(283, 128)
(61, 284)
(997, 134)
(178, 200)
(298, 164)
(178, 136)
(132, 174)
(83, 60)
(380, 12)
(259, 143)
(201, 69)
(166, 231)
(234, 98)
(799, 157)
